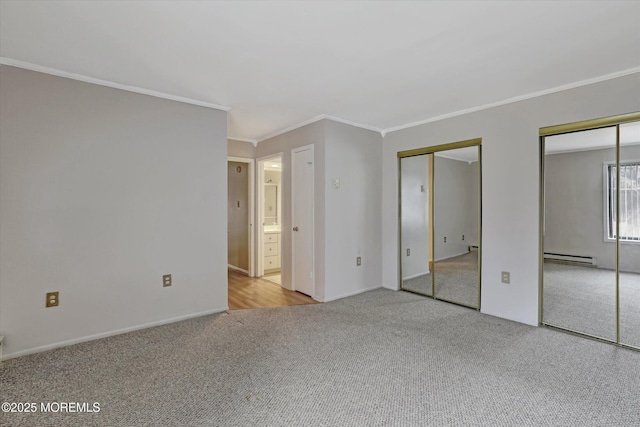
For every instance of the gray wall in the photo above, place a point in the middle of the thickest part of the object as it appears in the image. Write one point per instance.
(347, 220)
(103, 191)
(352, 212)
(575, 210)
(472, 236)
(416, 212)
(244, 149)
(454, 206)
(238, 215)
(456, 211)
(312, 134)
(510, 183)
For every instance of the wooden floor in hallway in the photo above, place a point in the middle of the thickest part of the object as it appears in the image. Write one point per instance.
(253, 292)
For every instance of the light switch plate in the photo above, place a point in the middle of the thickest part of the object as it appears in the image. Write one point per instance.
(166, 280)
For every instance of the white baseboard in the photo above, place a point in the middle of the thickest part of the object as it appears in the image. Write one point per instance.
(233, 267)
(110, 333)
(350, 294)
(452, 256)
(413, 276)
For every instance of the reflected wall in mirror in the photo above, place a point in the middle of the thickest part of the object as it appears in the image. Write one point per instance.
(629, 232)
(456, 228)
(415, 225)
(270, 204)
(270, 240)
(440, 219)
(272, 196)
(591, 232)
(579, 270)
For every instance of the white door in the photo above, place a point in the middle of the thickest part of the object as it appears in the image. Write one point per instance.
(302, 219)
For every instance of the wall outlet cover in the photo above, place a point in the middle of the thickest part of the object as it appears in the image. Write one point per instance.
(53, 299)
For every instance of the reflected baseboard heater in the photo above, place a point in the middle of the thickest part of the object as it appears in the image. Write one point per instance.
(571, 259)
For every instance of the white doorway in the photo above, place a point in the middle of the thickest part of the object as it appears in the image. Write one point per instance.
(302, 207)
(240, 215)
(269, 219)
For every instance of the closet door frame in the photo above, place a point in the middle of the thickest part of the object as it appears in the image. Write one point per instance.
(612, 121)
(476, 142)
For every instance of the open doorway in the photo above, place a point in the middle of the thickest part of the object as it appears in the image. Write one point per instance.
(240, 214)
(266, 289)
(269, 221)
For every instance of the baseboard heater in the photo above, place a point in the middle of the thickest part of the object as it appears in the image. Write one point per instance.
(571, 259)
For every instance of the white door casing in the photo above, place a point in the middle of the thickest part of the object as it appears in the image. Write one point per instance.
(302, 234)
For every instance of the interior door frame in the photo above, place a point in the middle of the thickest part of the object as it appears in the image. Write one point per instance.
(260, 212)
(293, 204)
(251, 197)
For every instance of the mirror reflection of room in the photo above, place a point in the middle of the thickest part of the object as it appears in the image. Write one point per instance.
(416, 224)
(583, 273)
(456, 227)
(272, 219)
(439, 225)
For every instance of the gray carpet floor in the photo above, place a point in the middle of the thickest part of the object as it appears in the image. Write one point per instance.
(584, 299)
(456, 280)
(381, 358)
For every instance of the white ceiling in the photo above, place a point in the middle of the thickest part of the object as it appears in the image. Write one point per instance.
(382, 65)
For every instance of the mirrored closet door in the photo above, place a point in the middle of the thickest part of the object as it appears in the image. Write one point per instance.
(440, 222)
(416, 224)
(590, 225)
(628, 231)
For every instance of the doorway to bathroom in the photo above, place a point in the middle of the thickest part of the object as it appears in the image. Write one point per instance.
(269, 246)
(240, 215)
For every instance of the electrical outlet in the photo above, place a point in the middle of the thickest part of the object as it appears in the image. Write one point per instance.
(53, 299)
(463, 237)
(445, 239)
(506, 277)
(166, 280)
(359, 260)
(408, 252)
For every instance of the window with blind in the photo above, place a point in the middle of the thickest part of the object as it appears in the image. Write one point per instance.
(629, 201)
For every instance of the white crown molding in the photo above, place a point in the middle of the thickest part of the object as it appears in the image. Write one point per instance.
(515, 99)
(290, 128)
(317, 119)
(55, 72)
(349, 122)
(383, 132)
(252, 141)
